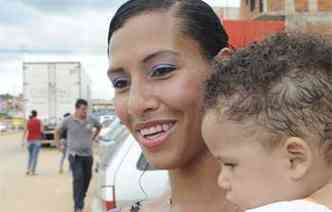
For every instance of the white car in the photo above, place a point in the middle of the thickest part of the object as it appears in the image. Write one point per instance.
(104, 118)
(3, 127)
(123, 174)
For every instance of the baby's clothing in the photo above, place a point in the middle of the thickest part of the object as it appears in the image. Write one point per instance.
(292, 206)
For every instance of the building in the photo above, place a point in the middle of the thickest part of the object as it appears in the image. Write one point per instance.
(245, 31)
(228, 13)
(11, 105)
(303, 15)
(262, 9)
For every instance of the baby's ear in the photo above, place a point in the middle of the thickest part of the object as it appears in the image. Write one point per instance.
(299, 157)
(223, 54)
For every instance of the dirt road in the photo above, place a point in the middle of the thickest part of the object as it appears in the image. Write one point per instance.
(48, 191)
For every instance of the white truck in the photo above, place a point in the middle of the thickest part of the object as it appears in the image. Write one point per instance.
(52, 88)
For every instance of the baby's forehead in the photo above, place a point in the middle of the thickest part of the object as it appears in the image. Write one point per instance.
(237, 131)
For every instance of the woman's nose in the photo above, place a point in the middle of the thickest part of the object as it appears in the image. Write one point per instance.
(141, 100)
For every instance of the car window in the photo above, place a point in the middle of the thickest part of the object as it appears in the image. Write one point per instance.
(115, 129)
(107, 122)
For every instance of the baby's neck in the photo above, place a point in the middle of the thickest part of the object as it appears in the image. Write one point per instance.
(324, 195)
(194, 187)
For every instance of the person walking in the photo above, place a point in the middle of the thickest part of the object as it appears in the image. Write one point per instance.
(82, 130)
(33, 135)
(64, 147)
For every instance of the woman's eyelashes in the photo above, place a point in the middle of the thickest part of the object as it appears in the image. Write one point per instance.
(158, 71)
(162, 70)
(231, 165)
(120, 82)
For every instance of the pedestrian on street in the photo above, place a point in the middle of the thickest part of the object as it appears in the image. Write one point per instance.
(64, 146)
(32, 136)
(82, 130)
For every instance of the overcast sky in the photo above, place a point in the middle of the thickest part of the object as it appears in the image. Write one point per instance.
(48, 30)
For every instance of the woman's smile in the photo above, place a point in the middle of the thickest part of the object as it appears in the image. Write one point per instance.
(153, 134)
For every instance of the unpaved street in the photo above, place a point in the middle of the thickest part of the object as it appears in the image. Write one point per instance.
(48, 191)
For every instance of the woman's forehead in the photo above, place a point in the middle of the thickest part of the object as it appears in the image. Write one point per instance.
(147, 34)
(151, 30)
(151, 25)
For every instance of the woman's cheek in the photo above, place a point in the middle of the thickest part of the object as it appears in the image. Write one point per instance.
(121, 109)
(184, 93)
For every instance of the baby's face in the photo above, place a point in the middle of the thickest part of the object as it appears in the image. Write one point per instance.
(252, 174)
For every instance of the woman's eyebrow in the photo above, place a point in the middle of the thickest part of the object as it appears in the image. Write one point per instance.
(158, 54)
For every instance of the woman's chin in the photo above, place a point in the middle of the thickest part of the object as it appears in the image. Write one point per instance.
(160, 162)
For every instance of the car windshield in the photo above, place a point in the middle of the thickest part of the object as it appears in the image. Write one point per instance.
(114, 130)
(107, 123)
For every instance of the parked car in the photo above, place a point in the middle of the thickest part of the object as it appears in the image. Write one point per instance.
(123, 174)
(104, 118)
(104, 115)
(3, 127)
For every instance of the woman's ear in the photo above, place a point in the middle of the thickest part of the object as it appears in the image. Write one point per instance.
(224, 54)
(299, 157)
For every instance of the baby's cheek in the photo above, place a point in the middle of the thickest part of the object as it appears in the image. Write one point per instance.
(208, 133)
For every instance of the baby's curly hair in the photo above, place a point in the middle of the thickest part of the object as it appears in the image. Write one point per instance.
(283, 83)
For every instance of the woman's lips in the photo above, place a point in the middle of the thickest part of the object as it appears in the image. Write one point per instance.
(153, 134)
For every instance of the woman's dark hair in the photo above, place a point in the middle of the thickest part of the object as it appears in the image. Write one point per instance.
(80, 102)
(197, 20)
(33, 113)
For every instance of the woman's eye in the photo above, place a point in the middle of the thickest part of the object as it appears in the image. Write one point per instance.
(230, 165)
(120, 83)
(162, 70)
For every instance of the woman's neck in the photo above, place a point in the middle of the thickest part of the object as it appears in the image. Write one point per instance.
(194, 187)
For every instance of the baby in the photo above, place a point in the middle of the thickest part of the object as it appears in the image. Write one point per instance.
(268, 121)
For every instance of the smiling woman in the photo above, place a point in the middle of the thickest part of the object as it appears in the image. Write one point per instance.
(160, 52)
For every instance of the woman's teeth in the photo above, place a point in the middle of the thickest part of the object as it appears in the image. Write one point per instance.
(155, 130)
